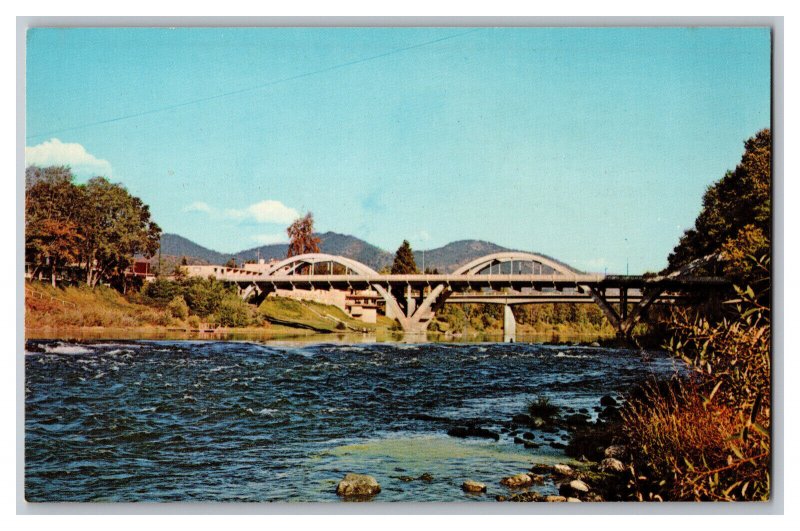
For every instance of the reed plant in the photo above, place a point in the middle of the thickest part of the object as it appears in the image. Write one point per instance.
(708, 437)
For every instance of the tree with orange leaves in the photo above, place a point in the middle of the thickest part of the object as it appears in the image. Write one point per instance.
(301, 236)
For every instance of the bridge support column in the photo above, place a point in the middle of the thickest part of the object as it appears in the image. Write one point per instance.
(509, 325)
(624, 321)
(411, 302)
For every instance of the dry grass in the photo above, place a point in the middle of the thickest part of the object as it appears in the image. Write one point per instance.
(690, 448)
(48, 307)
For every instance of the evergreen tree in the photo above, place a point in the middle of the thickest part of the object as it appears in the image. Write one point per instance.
(404, 263)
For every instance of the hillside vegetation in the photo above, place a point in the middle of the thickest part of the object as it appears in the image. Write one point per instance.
(49, 307)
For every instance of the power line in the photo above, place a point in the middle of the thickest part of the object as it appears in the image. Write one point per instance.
(256, 87)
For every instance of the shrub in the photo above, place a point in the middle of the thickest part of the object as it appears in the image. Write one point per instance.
(204, 295)
(690, 449)
(161, 291)
(178, 308)
(542, 408)
(233, 312)
(194, 321)
(709, 439)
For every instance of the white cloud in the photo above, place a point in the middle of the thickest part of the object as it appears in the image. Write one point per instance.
(54, 152)
(267, 211)
(268, 239)
(198, 206)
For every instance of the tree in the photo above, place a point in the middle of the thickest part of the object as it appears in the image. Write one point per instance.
(117, 226)
(53, 209)
(735, 217)
(404, 263)
(301, 236)
(231, 262)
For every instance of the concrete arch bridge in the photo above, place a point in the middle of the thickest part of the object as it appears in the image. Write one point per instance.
(506, 278)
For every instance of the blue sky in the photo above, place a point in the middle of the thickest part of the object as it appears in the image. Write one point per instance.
(590, 145)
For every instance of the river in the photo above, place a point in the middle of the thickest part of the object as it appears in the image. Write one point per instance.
(249, 421)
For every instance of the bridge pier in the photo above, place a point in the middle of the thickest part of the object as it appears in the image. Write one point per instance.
(411, 302)
(509, 325)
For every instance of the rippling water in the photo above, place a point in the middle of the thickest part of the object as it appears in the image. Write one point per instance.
(237, 421)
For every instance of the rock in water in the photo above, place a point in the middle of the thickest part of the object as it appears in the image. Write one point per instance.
(554, 499)
(612, 465)
(520, 480)
(574, 488)
(358, 485)
(473, 486)
(562, 470)
(608, 400)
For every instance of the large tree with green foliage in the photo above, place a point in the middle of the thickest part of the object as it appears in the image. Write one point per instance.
(404, 263)
(735, 217)
(117, 227)
(53, 211)
(98, 226)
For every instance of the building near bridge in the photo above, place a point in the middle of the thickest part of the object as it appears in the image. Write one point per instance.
(358, 304)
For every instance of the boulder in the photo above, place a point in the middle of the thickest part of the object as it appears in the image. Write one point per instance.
(610, 413)
(358, 485)
(573, 500)
(470, 431)
(426, 477)
(473, 486)
(577, 419)
(610, 464)
(562, 470)
(528, 435)
(535, 478)
(594, 344)
(515, 482)
(608, 400)
(540, 468)
(525, 497)
(521, 419)
(553, 499)
(616, 451)
(574, 488)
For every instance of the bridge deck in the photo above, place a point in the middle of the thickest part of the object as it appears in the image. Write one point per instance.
(460, 282)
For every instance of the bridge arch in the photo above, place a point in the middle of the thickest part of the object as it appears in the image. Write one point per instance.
(290, 265)
(479, 264)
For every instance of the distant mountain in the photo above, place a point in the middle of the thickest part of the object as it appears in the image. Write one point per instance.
(330, 243)
(174, 245)
(446, 259)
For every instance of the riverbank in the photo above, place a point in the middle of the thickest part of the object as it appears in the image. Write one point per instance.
(103, 313)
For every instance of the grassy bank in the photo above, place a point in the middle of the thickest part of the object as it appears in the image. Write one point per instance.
(81, 312)
(315, 316)
(48, 307)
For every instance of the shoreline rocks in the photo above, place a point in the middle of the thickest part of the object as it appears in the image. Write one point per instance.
(357, 485)
(518, 481)
(470, 431)
(473, 486)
